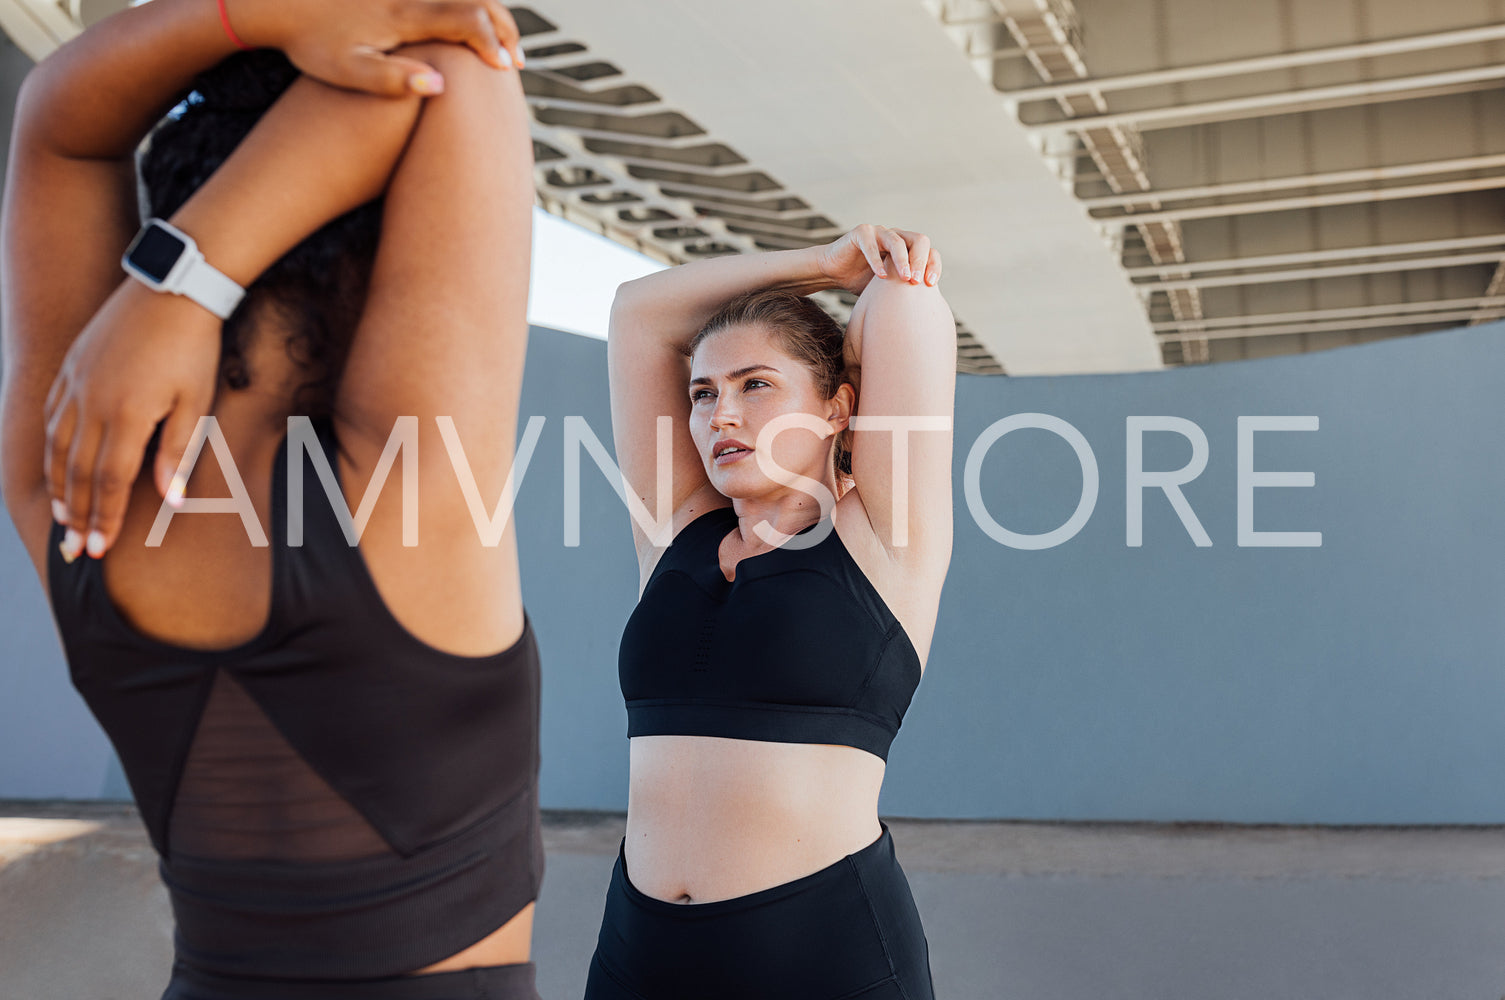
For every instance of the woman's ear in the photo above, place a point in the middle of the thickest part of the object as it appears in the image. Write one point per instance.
(842, 405)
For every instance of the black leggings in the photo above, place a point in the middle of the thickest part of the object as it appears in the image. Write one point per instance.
(494, 982)
(848, 931)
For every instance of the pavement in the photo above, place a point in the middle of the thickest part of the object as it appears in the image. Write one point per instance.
(1033, 911)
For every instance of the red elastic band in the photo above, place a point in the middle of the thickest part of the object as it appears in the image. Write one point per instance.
(224, 19)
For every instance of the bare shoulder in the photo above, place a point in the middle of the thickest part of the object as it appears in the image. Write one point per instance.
(908, 579)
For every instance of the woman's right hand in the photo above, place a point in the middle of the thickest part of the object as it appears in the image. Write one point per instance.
(346, 43)
(852, 261)
(144, 356)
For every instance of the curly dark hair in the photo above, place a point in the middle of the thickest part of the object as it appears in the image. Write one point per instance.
(319, 287)
(807, 333)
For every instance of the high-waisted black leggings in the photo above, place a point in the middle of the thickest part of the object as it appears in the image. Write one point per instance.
(494, 982)
(848, 932)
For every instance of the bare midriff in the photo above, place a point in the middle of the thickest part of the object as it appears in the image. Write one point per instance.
(711, 818)
(507, 945)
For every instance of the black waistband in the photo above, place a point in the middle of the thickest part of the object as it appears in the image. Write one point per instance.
(494, 982)
(879, 850)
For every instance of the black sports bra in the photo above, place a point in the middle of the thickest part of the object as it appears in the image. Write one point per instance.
(798, 649)
(334, 798)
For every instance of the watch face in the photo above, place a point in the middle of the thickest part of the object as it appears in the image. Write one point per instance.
(155, 252)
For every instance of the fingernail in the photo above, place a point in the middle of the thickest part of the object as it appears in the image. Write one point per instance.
(175, 490)
(882, 273)
(427, 84)
(71, 545)
(504, 57)
(59, 512)
(96, 544)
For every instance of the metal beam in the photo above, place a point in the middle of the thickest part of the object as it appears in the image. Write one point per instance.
(1260, 64)
(1361, 324)
(638, 110)
(687, 190)
(746, 226)
(1361, 175)
(1305, 201)
(1496, 287)
(724, 201)
(1314, 256)
(664, 142)
(1302, 274)
(1259, 104)
(973, 21)
(1348, 312)
(650, 196)
(724, 170)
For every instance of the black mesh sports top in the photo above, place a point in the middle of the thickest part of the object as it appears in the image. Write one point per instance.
(334, 798)
(798, 649)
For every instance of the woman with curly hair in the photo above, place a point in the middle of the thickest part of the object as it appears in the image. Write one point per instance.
(331, 732)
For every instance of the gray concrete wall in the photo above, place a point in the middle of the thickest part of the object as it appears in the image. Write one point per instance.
(1355, 682)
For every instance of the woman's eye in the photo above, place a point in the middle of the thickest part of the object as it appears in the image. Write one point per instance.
(753, 382)
(699, 394)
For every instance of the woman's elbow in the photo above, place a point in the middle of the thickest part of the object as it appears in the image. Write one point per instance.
(915, 307)
(627, 302)
(896, 290)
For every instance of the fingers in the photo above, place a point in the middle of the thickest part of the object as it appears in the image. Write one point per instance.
(506, 31)
(475, 25)
(120, 451)
(898, 251)
(60, 427)
(933, 268)
(919, 255)
(51, 420)
(866, 238)
(91, 466)
(78, 484)
(177, 436)
(924, 260)
(376, 72)
(912, 257)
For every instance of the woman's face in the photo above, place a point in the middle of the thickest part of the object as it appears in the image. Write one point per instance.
(740, 380)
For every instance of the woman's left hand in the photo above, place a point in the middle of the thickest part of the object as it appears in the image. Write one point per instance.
(143, 357)
(852, 261)
(347, 43)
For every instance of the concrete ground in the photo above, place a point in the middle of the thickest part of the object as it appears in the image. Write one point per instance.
(1012, 910)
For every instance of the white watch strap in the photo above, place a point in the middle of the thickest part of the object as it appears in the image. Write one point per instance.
(210, 287)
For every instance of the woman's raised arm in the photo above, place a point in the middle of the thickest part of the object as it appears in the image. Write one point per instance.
(903, 338)
(654, 318)
(70, 210)
(652, 322)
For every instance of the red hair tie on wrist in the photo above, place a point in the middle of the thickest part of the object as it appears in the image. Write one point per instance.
(224, 19)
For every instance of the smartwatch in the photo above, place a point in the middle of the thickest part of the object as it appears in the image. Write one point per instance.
(165, 259)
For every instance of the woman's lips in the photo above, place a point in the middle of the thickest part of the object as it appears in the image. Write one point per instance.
(722, 454)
